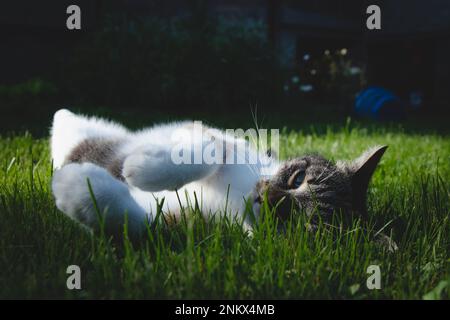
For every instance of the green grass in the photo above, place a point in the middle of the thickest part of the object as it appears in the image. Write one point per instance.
(409, 195)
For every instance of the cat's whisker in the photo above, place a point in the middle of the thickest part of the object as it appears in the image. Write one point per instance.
(328, 177)
(321, 174)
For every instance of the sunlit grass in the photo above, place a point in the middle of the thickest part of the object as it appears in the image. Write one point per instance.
(201, 258)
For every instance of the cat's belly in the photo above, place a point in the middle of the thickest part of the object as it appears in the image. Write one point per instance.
(209, 201)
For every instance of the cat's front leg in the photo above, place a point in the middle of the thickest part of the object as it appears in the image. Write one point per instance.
(155, 168)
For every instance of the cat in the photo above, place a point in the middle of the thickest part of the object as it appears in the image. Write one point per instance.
(130, 172)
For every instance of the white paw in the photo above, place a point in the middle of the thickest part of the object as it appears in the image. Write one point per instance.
(151, 170)
(113, 199)
(71, 191)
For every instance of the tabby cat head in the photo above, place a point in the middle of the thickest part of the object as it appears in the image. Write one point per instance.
(315, 185)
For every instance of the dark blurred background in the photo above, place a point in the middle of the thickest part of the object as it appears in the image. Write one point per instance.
(223, 61)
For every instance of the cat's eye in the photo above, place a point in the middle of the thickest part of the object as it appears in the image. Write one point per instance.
(296, 179)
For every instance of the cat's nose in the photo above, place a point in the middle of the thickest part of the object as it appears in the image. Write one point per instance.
(261, 188)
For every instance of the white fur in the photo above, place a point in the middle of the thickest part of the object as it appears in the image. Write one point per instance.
(69, 129)
(71, 191)
(149, 171)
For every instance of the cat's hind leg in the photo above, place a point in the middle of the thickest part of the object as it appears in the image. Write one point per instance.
(112, 198)
(69, 129)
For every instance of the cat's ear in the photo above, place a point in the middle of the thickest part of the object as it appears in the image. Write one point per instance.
(361, 170)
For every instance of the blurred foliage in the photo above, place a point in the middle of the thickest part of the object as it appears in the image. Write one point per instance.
(328, 77)
(192, 65)
(33, 89)
(173, 63)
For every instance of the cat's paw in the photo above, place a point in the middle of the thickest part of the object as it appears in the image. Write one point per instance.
(152, 170)
(71, 191)
(109, 199)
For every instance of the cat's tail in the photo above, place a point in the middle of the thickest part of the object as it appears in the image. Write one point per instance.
(90, 195)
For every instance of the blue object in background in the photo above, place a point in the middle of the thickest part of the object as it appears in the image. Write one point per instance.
(380, 104)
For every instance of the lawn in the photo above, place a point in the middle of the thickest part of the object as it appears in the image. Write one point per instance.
(409, 197)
